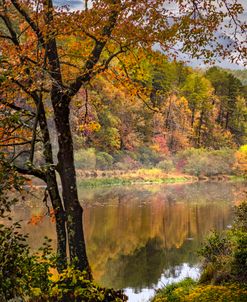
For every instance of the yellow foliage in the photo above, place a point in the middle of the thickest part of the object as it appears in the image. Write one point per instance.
(241, 160)
(91, 127)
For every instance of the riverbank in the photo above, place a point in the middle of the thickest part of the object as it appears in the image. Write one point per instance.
(118, 177)
(101, 178)
(97, 178)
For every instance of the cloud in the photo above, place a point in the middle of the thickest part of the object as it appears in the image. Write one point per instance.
(73, 4)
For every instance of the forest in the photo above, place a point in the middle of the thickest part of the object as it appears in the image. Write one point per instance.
(98, 110)
(191, 115)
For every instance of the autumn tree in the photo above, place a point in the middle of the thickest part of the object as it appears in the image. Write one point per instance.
(232, 102)
(49, 54)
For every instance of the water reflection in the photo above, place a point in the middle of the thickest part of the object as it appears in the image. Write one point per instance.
(140, 236)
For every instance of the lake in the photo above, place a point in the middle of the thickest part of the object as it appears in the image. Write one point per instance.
(141, 237)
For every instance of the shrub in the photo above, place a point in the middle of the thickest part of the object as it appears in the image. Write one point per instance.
(205, 162)
(148, 157)
(241, 161)
(239, 261)
(127, 163)
(21, 274)
(175, 292)
(212, 293)
(166, 165)
(216, 254)
(72, 285)
(225, 255)
(28, 277)
(241, 217)
(85, 159)
(189, 291)
(104, 161)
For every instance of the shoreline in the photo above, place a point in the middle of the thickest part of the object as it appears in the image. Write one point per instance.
(96, 178)
(145, 177)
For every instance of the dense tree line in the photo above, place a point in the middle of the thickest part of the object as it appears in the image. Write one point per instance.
(185, 108)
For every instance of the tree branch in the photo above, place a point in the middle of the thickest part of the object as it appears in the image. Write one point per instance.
(13, 36)
(16, 144)
(29, 21)
(96, 53)
(32, 171)
(17, 108)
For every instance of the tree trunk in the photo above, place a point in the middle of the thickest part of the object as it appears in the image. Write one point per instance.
(200, 129)
(54, 193)
(192, 116)
(66, 169)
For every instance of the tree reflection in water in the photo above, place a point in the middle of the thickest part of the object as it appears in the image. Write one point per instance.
(139, 236)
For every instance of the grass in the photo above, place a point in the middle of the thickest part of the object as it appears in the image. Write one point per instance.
(96, 182)
(237, 178)
(98, 178)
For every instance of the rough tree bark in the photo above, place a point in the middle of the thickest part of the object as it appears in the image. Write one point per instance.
(52, 188)
(66, 170)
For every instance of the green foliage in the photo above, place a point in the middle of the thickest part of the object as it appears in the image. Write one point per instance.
(204, 162)
(22, 274)
(196, 293)
(32, 277)
(231, 94)
(148, 157)
(166, 165)
(175, 292)
(216, 245)
(225, 255)
(241, 217)
(85, 159)
(73, 285)
(240, 74)
(104, 161)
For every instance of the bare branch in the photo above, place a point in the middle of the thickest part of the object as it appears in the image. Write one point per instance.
(16, 144)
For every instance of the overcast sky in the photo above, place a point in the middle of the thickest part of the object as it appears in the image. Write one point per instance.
(78, 4)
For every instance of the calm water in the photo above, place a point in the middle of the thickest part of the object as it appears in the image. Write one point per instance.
(142, 237)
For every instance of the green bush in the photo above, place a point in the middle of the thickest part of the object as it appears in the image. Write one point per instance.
(72, 285)
(241, 217)
(22, 274)
(28, 277)
(148, 157)
(191, 291)
(85, 159)
(204, 162)
(104, 161)
(175, 292)
(225, 255)
(166, 165)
